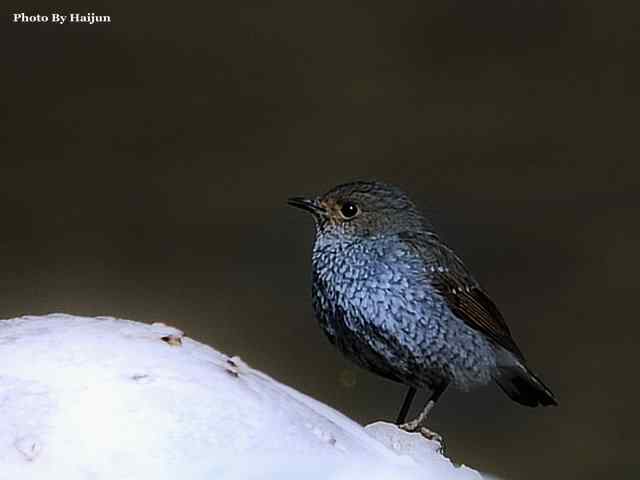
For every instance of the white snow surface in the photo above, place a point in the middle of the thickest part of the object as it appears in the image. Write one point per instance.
(104, 398)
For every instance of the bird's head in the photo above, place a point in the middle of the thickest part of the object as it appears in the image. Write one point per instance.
(362, 209)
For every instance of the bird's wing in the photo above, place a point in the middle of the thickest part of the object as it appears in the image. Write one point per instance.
(462, 292)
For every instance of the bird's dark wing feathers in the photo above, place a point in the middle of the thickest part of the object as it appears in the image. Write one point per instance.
(462, 292)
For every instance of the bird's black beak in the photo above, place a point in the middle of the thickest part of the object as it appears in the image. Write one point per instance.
(307, 204)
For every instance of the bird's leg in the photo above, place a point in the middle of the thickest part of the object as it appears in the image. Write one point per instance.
(419, 421)
(408, 399)
(418, 424)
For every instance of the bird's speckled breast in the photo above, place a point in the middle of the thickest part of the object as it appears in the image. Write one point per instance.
(373, 301)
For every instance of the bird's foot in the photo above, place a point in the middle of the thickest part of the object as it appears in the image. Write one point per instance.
(431, 435)
(412, 426)
(416, 427)
(419, 421)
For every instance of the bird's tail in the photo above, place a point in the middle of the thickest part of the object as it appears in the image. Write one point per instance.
(522, 386)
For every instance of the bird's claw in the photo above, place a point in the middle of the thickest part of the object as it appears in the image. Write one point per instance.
(415, 427)
(433, 436)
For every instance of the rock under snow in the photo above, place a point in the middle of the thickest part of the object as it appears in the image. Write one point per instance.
(109, 399)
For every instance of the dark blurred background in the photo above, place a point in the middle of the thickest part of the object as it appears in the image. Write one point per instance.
(145, 166)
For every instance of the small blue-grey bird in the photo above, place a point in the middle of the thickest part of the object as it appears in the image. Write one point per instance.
(396, 300)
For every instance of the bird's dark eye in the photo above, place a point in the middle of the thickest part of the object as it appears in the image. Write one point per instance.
(349, 210)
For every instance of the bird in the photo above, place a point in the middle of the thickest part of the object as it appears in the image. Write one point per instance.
(399, 302)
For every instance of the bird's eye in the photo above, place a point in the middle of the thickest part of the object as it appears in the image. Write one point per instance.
(349, 210)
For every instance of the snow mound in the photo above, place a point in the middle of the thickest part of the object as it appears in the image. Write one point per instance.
(104, 398)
